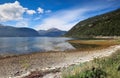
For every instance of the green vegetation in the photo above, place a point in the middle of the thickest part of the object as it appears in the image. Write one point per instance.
(103, 25)
(24, 64)
(106, 67)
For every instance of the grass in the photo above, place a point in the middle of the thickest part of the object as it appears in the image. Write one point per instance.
(106, 67)
(24, 64)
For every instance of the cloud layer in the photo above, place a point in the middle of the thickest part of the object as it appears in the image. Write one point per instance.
(40, 10)
(31, 12)
(15, 11)
(11, 11)
(66, 19)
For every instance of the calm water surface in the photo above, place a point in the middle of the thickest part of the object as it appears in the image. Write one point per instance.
(23, 45)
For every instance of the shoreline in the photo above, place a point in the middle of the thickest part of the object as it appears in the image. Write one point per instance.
(25, 64)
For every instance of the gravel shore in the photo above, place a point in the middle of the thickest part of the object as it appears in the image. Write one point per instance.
(49, 63)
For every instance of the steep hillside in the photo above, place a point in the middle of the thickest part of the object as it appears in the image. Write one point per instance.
(103, 25)
(8, 31)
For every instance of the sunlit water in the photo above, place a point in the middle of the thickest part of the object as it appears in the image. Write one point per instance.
(24, 45)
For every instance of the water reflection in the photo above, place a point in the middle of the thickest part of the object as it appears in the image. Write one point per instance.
(21, 45)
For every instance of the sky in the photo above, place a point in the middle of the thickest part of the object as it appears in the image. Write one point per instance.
(46, 14)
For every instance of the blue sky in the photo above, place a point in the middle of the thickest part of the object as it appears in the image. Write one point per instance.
(46, 14)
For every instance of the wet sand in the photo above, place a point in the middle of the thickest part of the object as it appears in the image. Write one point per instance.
(23, 65)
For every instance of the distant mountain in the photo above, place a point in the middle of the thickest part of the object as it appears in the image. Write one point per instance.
(107, 24)
(9, 31)
(53, 32)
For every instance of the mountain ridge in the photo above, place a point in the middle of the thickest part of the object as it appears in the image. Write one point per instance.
(52, 32)
(9, 31)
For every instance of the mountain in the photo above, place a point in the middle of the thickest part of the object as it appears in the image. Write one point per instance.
(53, 32)
(9, 31)
(107, 24)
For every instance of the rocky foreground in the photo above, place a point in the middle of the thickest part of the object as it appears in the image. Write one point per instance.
(47, 64)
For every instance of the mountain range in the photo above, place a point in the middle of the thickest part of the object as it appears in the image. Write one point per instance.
(10, 31)
(107, 24)
(53, 32)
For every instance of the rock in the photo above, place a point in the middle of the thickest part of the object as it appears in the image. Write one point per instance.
(118, 68)
(17, 73)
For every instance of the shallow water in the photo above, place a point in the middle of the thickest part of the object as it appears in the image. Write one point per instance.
(24, 45)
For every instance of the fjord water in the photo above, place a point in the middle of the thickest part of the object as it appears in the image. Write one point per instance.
(24, 45)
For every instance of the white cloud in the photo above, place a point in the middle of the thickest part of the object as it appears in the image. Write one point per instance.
(66, 19)
(13, 11)
(22, 24)
(48, 11)
(40, 10)
(30, 12)
(37, 18)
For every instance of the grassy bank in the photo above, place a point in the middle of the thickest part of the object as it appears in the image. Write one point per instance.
(107, 67)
